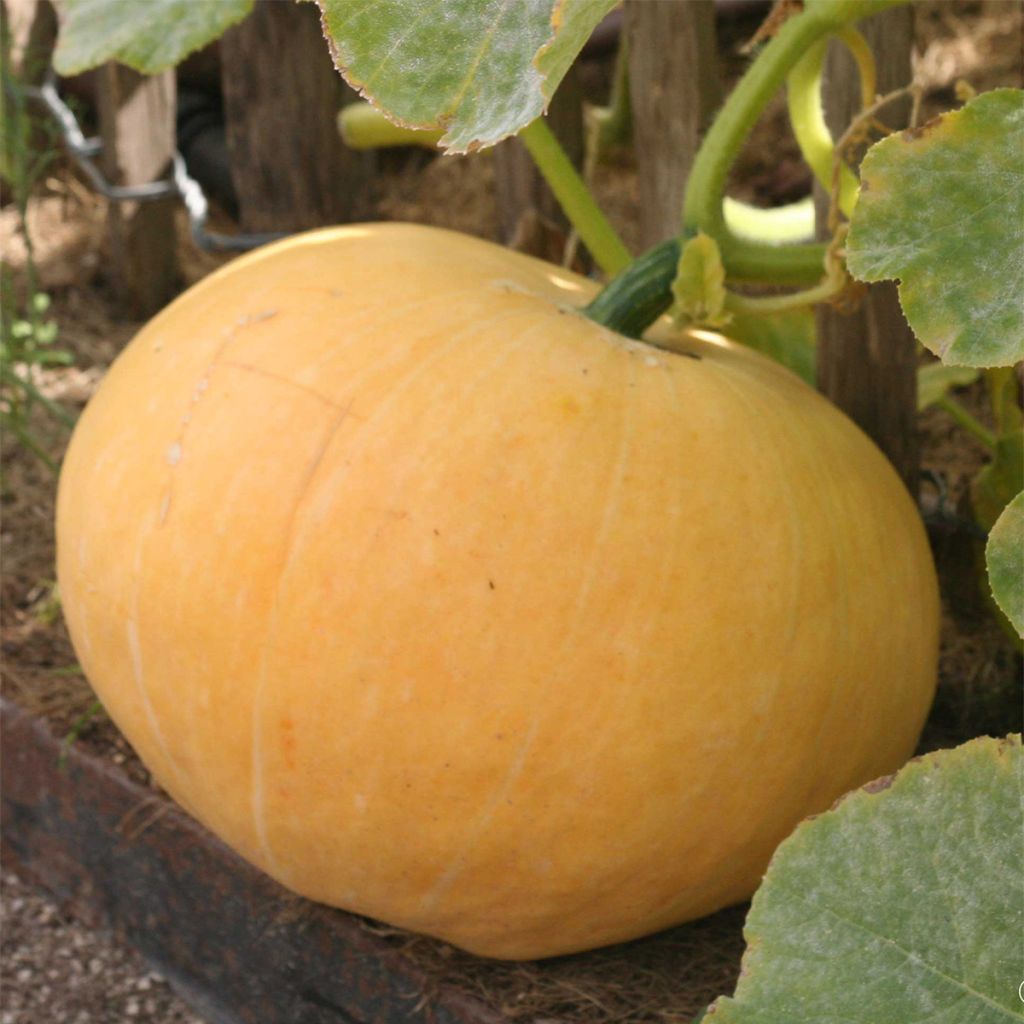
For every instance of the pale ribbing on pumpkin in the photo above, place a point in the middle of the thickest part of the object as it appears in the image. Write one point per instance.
(445, 605)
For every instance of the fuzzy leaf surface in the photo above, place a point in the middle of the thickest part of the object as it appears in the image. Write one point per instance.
(905, 903)
(1004, 557)
(479, 69)
(150, 37)
(941, 210)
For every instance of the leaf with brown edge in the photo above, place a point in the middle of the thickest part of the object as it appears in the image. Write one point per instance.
(479, 69)
(903, 903)
(941, 210)
(149, 37)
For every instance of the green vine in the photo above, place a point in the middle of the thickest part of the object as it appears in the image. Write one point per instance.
(746, 259)
(639, 295)
(575, 198)
(803, 97)
(967, 421)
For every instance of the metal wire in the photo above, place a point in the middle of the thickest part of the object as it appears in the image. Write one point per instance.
(180, 185)
(198, 208)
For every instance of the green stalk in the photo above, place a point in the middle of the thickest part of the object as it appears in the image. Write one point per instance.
(803, 98)
(770, 305)
(363, 126)
(628, 300)
(778, 224)
(613, 125)
(807, 115)
(702, 207)
(968, 421)
(575, 198)
(639, 295)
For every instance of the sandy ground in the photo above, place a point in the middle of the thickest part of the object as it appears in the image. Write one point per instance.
(54, 970)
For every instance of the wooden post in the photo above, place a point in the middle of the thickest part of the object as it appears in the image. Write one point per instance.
(675, 89)
(282, 95)
(529, 216)
(33, 30)
(867, 360)
(136, 115)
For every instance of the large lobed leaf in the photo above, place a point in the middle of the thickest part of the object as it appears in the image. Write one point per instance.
(1004, 557)
(941, 209)
(479, 69)
(903, 904)
(149, 36)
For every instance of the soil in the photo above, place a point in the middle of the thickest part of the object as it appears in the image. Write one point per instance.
(56, 971)
(980, 667)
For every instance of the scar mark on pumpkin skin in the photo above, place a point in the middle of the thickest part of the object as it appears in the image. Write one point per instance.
(176, 447)
(257, 794)
(255, 318)
(270, 375)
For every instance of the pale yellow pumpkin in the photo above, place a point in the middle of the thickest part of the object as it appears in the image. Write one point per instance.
(445, 605)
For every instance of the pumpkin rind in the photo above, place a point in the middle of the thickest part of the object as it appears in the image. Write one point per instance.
(445, 605)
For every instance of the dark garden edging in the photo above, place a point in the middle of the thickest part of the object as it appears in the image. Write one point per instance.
(236, 946)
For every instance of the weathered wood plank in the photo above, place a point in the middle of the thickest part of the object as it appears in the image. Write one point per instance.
(674, 89)
(136, 116)
(282, 95)
(233, 943)
(867, 359)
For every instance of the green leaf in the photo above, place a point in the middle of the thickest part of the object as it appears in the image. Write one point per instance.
(150, 37)
(699, 285)
(936, 380)
(1004, 556)
(903, 904)
(941, 209)
(789, 338)
(479, 69)
(572, 21)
